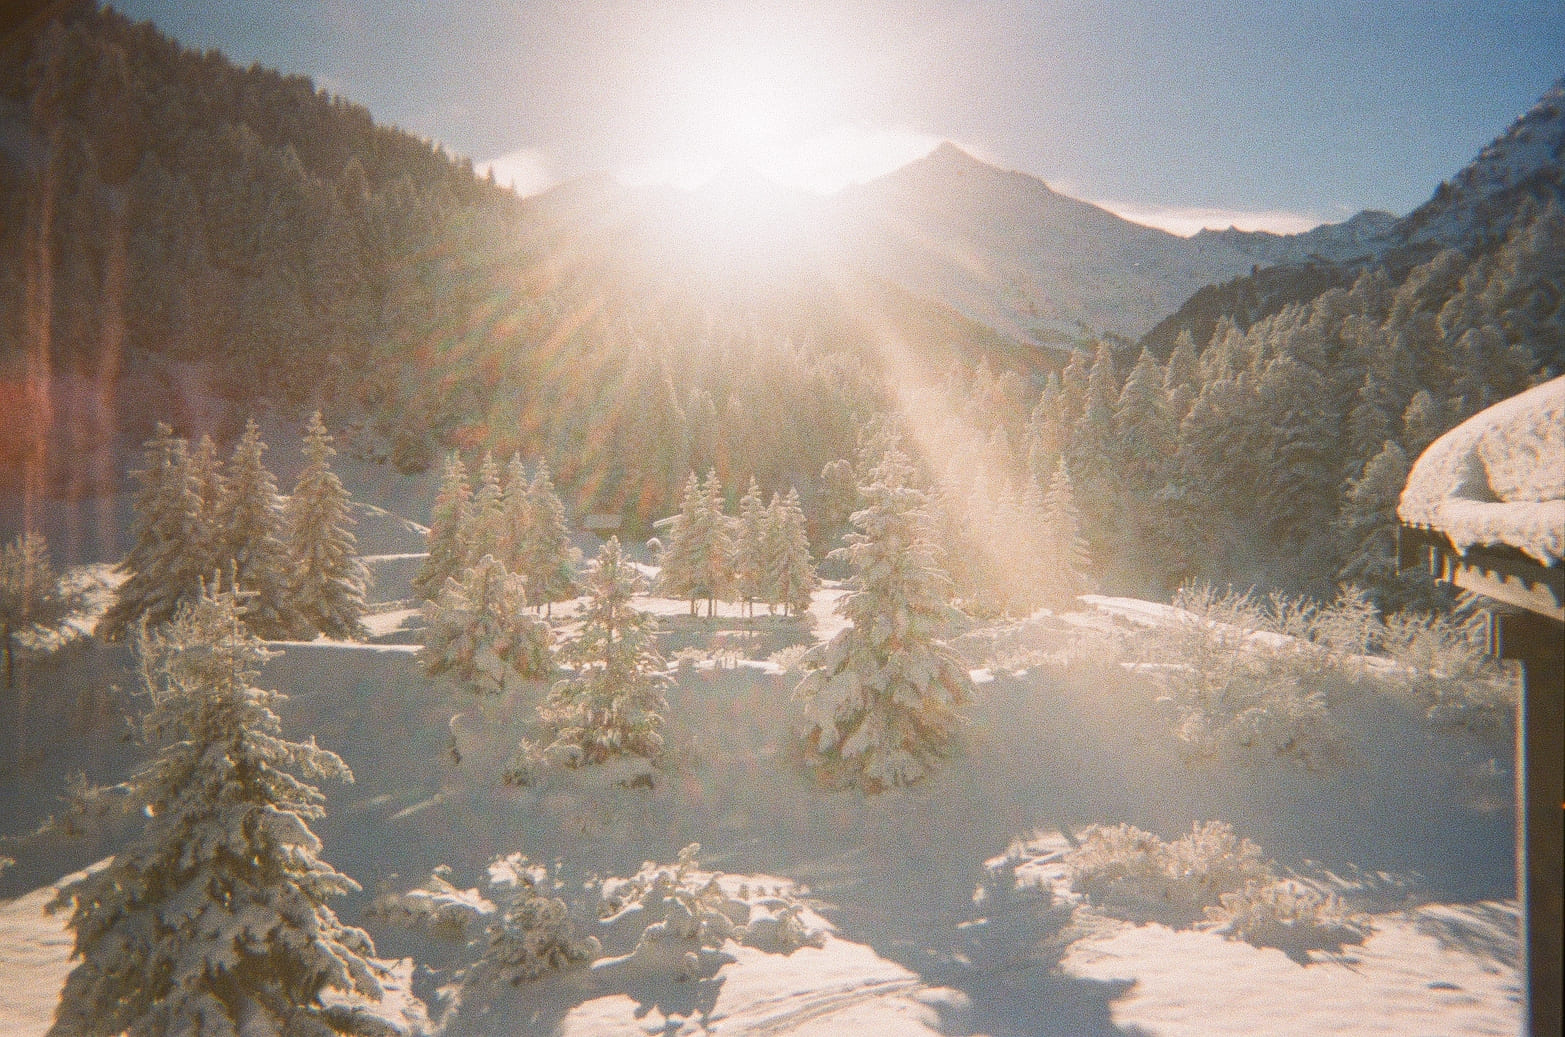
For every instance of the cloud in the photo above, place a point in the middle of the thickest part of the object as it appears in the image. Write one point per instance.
(525, 171)
(1187, 220)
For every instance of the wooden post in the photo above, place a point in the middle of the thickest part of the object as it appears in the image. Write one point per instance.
(1538, 643)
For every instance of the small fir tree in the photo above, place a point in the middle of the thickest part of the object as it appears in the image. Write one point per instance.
(516, 518)
(790, 575)
(255, 551)
(614, 705)
(327, 580)
(880, 700)
(486, 519)
(548, 556)
(31, 596)
(678, 576)
(167, 558)
(480, 632)
(750, 575)
(714, 544)
(447, 525)
(214, 919)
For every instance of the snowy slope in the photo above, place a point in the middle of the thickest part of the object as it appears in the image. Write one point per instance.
(1414, 823)
(1524, 161)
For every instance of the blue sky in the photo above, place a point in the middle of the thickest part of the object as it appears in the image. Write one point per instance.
(1270, 113)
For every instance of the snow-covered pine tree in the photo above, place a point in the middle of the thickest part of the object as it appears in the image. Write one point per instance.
(880, 700)
(207, 470)
(714, 544)
(480, 632)
(678, 577)
(750, 575)
(254, 545)
(614, 704)
(447, 525)
(515, 518)
(1068, 555)
(486, 516)
(30, 593)
(327, 581)
(164, 566)
(214, 919)
(548, 556)
(790, 575)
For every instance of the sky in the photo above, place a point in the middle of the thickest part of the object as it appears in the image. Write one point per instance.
(1275, 114)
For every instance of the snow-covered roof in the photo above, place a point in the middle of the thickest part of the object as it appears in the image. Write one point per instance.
(1498, 478)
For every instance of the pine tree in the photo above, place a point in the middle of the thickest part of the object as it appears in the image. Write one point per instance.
(447, 526)
(880, 699)
(1367, 526)
(479, 630)
(790, 575)
(516, 517)
(678, 576)
(714, 545)
(485, 518)
(165, 564)
(548, 556)
(30, 593)
(750, 570)
(254, 549)
(1065, 544)
(614, 704)
(213, 920)
(207, 471)
(327, 581)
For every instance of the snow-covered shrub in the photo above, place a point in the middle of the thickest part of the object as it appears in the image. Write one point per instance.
(480, 632)
(1238, 671)
(214, 918)
(1290, 916)
(880, 700)
(532, 934)
(437, 907)
(1135, 875)
(688, 914)
(790, 658)
(1443, 660)
(613, 707)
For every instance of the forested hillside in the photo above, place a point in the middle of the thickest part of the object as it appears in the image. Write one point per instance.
(190, 241)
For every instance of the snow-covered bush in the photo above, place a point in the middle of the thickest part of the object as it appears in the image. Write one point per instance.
(532, 933)
(614, 705)
(1290, 916)
(214, 918)
(437, 908)
(480, 632)
(519, 932)
(880, 700)
(687, 914)
(1133, 874)
(1238, 671)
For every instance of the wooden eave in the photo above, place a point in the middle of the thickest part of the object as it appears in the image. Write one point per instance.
(1498, 572)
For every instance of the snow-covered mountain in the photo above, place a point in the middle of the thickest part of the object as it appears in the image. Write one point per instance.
(1479, 202)
(984, 245)
(1005, 249)
(1368, 233)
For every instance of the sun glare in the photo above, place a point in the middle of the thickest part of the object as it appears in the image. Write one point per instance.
(765, 106)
